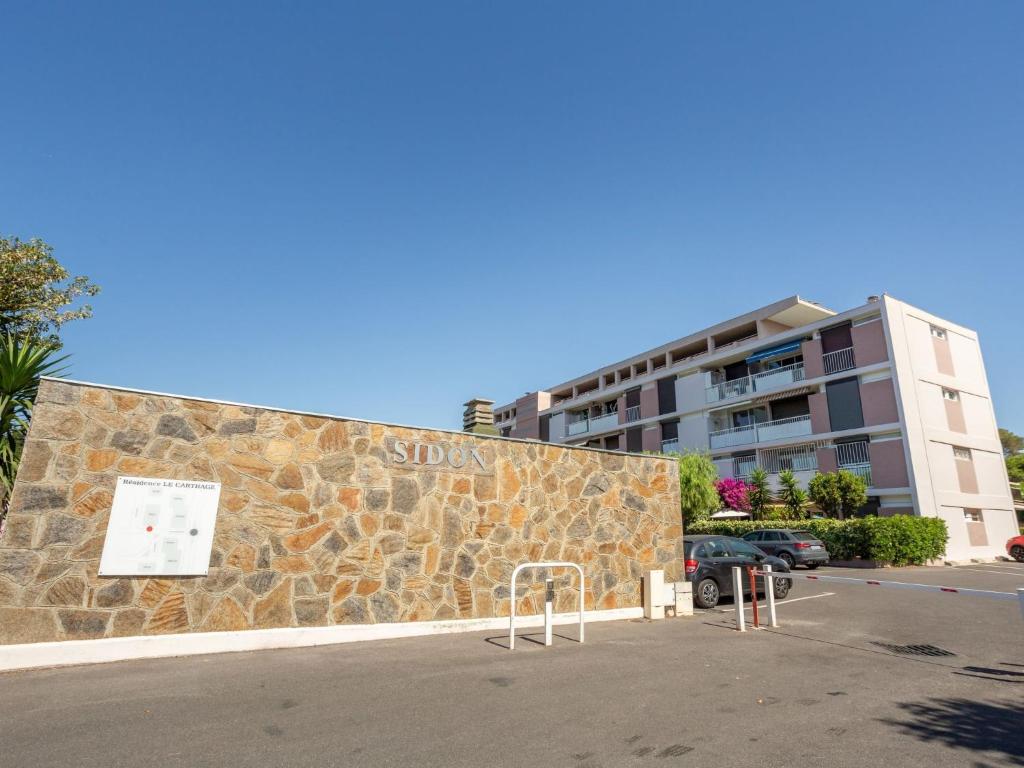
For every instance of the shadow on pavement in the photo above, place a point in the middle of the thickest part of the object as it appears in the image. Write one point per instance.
(966, 724)
(531, 637)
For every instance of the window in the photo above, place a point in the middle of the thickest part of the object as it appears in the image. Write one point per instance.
(938, 333)
(802, 536)
(743, 549)
(666, 395)
(844, 408)
(773, 536)
(634, 440)
(716, 548)
(950, 394)
(964, 454)
(754, 536)
(972, 515)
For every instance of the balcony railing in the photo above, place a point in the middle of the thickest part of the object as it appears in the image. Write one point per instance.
(861, 470)
(794, 426)
(855, 458)
(776, 378)
(633, 413)
(592, 424)
(796, 458)
(724, 438)
(604, 421)
(670, 446)
(577, 427)
(852, 453)
(727, 389)
(744, 467)
(840, 360)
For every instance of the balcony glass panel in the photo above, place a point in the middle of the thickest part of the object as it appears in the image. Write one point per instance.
(795, 426)
(737, 436)
(607, 421)
(778, 377)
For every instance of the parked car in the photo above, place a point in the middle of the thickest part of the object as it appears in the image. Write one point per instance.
(1015, 548)
(709, 564)
(794, 546)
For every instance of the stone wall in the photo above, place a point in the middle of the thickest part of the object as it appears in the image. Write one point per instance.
(317, 524)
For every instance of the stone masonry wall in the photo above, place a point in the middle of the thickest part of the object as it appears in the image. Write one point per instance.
(317, 523)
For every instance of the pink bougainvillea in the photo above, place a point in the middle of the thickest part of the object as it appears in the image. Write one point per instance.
(734, 494)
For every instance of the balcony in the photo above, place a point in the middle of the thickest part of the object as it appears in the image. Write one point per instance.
(577, 427)
(743, 467)
(855, 458)
(765, 381)
(633, 413)
(794, 426)
(670, 446)
(780, 429)
(862, 471)
(799, 459)
(838, 361)
(592, 424)
(726, 438)
(604, 421)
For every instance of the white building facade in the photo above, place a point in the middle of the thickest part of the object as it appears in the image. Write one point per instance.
(885, 390)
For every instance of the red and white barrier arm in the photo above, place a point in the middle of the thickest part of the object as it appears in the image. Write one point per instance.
(900, 585)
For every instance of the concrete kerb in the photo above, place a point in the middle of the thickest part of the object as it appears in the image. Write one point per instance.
(76, 652)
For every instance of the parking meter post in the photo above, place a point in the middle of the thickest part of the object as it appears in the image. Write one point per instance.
(549, 598)
(769, 595)
(737, 590)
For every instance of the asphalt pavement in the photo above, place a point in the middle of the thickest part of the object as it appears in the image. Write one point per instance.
(854, 676)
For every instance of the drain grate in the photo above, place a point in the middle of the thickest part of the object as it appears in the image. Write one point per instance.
(914, 650)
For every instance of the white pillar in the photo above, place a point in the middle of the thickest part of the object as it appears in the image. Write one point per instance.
(737, 589)
(654, 591)
(549, 597)
(769, 595)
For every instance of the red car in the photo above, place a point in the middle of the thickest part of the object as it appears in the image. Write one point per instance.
(1015, 548)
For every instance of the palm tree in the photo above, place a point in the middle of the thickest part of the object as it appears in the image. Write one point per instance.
(23, 362)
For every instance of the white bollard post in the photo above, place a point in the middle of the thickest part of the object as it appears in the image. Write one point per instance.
(549, 598)
(769, 595)
(737, 590)
(684, 598)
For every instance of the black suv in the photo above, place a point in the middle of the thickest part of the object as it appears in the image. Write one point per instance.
(709, 564)
(793, 546)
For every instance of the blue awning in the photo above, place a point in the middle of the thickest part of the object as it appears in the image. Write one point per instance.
(791, 346)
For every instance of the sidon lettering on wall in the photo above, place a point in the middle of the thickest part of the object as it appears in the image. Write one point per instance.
(409, 454)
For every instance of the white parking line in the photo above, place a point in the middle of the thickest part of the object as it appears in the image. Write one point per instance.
(1007, 571)
(760, 604)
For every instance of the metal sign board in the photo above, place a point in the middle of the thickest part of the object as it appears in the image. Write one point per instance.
(160, 527)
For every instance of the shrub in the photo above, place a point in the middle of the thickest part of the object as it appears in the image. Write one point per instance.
(792, 496)
(697, 477)
(900, 539)
(838, 494)
(733, 494)
(758, 493)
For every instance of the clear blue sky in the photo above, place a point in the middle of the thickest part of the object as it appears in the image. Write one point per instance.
(383, 209)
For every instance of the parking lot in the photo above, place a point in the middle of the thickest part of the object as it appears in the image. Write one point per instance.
(854, 676)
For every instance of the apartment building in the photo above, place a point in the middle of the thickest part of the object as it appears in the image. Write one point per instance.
(885, 390)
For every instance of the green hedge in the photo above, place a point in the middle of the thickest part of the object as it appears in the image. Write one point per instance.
(900, 539)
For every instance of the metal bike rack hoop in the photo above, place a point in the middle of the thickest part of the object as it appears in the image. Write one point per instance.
(512, 595)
